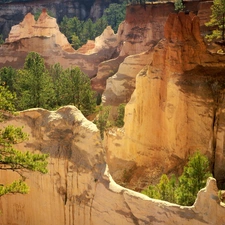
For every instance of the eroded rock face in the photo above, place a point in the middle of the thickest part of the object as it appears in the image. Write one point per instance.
(12, 12)
(176, 109)
(43, 36)
(78, 188)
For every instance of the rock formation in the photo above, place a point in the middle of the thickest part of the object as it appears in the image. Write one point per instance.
(142, 29)
(13, 11)
(176, 109)
(43, 36)
(78, 188)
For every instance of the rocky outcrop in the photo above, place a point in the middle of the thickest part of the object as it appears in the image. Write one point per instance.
(43, 36)
(45, 26)
(12, 12)
(176, 109)
(78, 188)
(142, 29)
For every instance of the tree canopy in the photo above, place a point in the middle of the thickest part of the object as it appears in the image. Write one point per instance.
(217, 20)
(183, 190)
(36, 86)
(12, 159)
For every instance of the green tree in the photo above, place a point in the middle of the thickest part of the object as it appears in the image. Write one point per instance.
(217, 20)
(115, 14)
(193, 178)
(72, 86)
(183, 190)
(17, 161)
(7, 76)
(165, 190)
(102, 120)
(120, 115)
(178, 5)
(33, 84)
(7, 99)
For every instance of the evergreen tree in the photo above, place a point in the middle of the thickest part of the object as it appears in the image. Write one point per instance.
(102, 120)
(192, 179)
(7, 76)
(7, 99)
(183, 190)
(17, 161)
(115, 14)
(120, 115)
(74, 87)
(12, 159)
(178, 5)
(33, 84)
(217, 20)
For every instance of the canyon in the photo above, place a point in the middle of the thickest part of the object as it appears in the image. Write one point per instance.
(160, 66)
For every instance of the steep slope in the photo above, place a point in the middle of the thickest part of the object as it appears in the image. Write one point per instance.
(13, 11)
(43, 36)
(78, 188)
(176, 109)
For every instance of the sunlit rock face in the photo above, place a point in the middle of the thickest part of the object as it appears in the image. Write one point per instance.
(78, 188)
(176, 109)
(44, 37)
(13, 11)
(142, 29)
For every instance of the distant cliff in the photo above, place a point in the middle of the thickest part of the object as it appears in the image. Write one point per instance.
(13, 11)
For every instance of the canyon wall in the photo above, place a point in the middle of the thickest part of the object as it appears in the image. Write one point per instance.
(13, 12)
(44, 37)
(176, 109)
(78, 188)
(142, 29)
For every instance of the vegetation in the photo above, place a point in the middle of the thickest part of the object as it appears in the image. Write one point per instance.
(12, 159)
(120, 115)
(36, 86)
(78, 32)
(217, 20)
(183, 190)
(101, 121)
(178, 5)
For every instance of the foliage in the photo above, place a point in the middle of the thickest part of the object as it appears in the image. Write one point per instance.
(183, 190)
(217, 20)
(72, 86)
(78, 32)
(178, 5)
(33, 84)
(193, 179)
(7, 76)
(114, 15)
(120, 115)
(36, 86)
(7, 99)
(17, 161)
(102, 120)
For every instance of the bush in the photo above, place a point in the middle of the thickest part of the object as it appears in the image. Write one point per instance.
(182, 190)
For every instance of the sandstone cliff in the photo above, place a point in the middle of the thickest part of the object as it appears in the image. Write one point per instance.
(13, 11)
(78, 188)
(142, 29)
(43, 36)
(177, 108)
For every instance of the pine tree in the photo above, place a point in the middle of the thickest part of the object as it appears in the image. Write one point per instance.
(12, 159)
(183, 190)
(33, 84)
(17, 161)
(217, 20)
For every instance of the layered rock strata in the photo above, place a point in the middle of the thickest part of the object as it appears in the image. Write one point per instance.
(78, 188)
(43, 36)
(176, 109)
